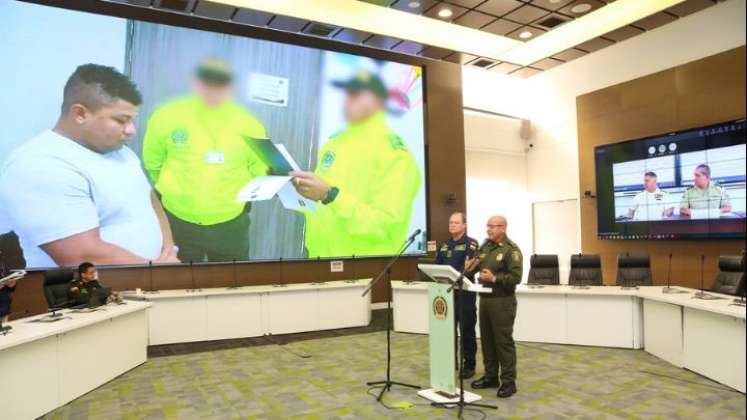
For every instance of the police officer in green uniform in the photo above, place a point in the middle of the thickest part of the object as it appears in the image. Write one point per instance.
(704, 194)
(499, 267)
(86, 289)
(365, 179)
(454, 252)
(195, 151)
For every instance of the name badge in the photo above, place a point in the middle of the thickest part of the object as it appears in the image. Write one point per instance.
(461, 247)
(214, 157)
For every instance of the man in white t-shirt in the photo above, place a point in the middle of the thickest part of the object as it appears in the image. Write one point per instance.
(651, 203)
(77, 193)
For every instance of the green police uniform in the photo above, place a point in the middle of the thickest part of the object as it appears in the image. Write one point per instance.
(377, 178)
(498, 309)
(712, 197)
(80, 291)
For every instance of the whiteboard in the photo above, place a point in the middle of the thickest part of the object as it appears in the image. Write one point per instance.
(556, 231)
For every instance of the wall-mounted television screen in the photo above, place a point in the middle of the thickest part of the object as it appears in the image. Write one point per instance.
(687, 184)
(127, 142)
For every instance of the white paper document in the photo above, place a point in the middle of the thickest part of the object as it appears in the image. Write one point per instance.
(267, 187)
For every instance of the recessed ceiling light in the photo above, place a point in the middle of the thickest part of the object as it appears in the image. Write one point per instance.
(581, 8)
(525, 35)
(445, 13)
(413, 4)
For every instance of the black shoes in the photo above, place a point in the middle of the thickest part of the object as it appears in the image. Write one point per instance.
(506, 390)
(468, 373)
(484, 382)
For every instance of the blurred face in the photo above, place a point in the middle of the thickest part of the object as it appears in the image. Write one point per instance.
(213, 94)
(107, 128)
(496, 228)
(650, 183)
(701, 179)
(90, 274)
(457, 227)
(360, 105)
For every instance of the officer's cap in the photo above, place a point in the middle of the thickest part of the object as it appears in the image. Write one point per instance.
(364, 81)
(213, 70)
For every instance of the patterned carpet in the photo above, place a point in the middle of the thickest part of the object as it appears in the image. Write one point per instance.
(325, 379)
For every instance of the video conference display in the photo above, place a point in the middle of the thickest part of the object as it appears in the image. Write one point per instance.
(689, 184)
(130, 142)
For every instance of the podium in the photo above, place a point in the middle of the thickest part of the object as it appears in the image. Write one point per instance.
(442, 334)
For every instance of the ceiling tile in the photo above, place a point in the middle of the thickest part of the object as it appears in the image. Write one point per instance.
(460, 58)
(504, 68)
(384, 3)
(535, 33)
(551, 4)
(465, 3)
(436, 52)
(499, 7)
(320, 29)
(569, 54)
(287, 23)
(352, 36)
(552, 21)
(501, 27)
(526, 72)
(185, 6)
(414, 6)
(409, 47)
(622, 33)
(527, 14)
(252, 17)
(689, 7)
(380, 41)
(214, 10)
(654, 21)
(482, 62)
(569, 9)
(546, 63)
(474, 19)
(595, 44)
(456, 11)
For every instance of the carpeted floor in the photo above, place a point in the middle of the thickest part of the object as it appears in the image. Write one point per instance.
(325, 379)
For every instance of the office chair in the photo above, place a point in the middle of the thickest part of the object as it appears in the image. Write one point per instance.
(633, 270)
(730, 279)
(544, 270)
(56, 284)
(586, 270)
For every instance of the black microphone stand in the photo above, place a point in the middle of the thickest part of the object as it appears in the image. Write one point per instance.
(388, 272)
(459, 285)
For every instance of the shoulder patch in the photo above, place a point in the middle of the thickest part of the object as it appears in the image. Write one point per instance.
(396, 142)
(515, 255)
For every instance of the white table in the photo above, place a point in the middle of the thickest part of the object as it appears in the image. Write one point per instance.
(707, 337)
(46, 365)
(180, 316)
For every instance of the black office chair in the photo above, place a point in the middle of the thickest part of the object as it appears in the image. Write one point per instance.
(56, 285)
(633, 270)
(586, 270)
(730, 279)
(544, 270)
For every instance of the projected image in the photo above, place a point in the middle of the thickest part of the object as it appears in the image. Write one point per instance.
(154, 143)
(705, 184)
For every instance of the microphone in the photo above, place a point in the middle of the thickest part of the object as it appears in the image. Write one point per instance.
(414, 234)
(702, 294)
(192, 276)
(150, 274)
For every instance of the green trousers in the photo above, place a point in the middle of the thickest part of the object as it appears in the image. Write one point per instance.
(497, 316)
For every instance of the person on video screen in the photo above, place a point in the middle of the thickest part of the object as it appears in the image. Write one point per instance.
(652, 203)
(365, 180)
(76, 192)
(704, 194)
(196, 153)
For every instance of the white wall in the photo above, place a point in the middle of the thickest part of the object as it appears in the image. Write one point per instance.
(497, 178)
(549, 99)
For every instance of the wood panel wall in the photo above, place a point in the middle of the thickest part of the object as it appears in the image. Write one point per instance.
(445, 174)
(702, 92)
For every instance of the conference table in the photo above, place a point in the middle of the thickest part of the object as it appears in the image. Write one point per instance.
(44, 365)
(704, 336)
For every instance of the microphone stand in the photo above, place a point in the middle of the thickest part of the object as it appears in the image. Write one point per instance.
(459, 284)
(701, 294)
(388, 272)
(235, 285)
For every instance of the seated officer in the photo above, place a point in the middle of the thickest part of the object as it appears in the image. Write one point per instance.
(86, 289)
(454, 252)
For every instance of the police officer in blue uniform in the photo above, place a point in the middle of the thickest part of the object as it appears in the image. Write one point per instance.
(454, 252)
